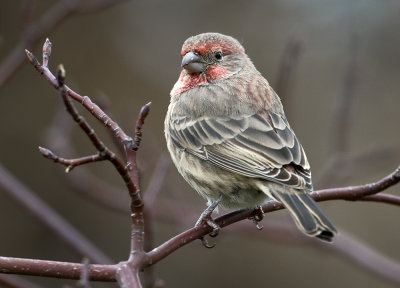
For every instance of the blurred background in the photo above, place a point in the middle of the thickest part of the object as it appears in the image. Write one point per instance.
(321, 56)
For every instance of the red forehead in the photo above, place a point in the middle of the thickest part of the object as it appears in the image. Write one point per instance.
(203, 47)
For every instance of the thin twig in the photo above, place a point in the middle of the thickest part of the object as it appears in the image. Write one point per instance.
(346, 193)
(71, 163)
(56, 269)
(142, 260)
(383, 198)
(129, 172)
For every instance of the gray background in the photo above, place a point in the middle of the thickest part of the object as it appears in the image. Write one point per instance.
(131, 53)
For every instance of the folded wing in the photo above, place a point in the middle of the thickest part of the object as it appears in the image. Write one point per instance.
(261, 146)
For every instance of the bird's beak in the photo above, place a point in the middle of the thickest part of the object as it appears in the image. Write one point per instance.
(193, 63)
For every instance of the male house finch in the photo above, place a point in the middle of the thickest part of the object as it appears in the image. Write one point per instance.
(229, 138)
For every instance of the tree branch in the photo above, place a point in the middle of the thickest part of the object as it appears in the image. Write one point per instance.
(346, 193)
(55, 269)
(127, 272)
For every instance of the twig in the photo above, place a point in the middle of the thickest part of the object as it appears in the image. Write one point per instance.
(128, 172)
(346, 193)
(127, 272)
(83, 181)
(71, 163)
(56, 269)
(142, 260)
(383, 198)
(355, 193)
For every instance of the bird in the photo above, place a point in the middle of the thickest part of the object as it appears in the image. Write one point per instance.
(228, 136)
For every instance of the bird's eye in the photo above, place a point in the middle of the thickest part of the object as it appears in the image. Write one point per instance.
(218, 55)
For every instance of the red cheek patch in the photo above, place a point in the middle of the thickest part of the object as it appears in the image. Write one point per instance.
(188, 81)
(215, 72)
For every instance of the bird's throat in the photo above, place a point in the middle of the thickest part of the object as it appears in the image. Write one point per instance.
(188, 81)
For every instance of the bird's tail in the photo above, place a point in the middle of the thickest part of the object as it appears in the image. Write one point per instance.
(307, 215)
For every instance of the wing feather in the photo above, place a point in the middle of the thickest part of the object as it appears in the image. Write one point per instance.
(260, 146)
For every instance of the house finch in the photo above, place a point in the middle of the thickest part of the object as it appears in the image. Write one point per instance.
(229, 138)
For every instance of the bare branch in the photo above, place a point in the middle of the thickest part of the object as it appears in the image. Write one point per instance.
(354, 193)
(71, 163)
(383, 198)
(346, 193)
(56, 269)
(127, 276)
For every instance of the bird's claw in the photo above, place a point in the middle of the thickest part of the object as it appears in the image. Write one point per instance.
(258, 216)
(211, 223)
(214, 226)
(206, 244)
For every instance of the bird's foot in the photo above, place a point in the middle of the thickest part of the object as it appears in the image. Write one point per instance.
(258, 216)
(205, 218)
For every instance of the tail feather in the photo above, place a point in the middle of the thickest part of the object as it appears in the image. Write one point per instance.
(306, 213)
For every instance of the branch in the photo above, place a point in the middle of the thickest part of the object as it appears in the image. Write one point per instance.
(354, 193)
(346, 193)
(71, 163)
(129, 171)
(127, 272)
(56, 269)
(108, 272)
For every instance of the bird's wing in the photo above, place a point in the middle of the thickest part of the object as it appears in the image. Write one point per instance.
(261, 145)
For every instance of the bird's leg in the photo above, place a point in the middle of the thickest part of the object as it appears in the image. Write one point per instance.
(206, 217)
(258, 216)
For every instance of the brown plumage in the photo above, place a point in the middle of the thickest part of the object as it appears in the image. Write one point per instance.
(228, 135)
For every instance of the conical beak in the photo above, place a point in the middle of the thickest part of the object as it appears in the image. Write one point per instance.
(193, 63)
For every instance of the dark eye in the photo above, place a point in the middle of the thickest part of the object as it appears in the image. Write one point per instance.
(218, 55)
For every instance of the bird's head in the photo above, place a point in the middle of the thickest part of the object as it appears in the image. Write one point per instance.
(208, 57)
